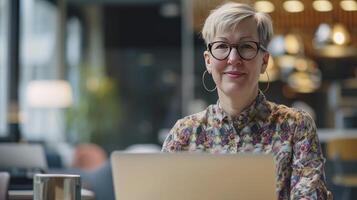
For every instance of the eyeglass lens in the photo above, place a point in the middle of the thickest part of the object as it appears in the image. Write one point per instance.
(246, 50)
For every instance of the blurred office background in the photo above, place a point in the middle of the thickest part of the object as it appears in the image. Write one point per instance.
(118, 73)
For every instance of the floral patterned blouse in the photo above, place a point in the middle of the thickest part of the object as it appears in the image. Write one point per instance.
(264, 127)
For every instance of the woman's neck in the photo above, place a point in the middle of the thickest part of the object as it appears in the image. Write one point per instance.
(234, 105)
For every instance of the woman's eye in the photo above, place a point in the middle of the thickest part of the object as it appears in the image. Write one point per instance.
(222, 46)
(246, 46)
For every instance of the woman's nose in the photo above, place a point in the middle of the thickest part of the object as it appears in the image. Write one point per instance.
(234, 57)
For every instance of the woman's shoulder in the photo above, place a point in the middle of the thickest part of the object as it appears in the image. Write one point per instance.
(285, 112)
(180, 134)
(296, 119)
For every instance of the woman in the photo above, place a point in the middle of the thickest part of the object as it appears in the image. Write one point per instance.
(243, 120)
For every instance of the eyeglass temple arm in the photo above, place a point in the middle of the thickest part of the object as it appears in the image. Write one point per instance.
(263, 48)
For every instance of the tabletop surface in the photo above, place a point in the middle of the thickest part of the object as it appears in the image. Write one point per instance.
(28, 194)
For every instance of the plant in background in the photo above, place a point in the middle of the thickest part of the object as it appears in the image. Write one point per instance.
(95, 114)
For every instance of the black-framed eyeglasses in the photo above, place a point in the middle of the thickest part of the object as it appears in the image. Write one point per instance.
(247, 50)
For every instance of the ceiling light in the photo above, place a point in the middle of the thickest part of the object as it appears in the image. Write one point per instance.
(293, 44)
(306, 78)
(348, 5)
(340, 35)
(337, 52)
(304, 82)
(322, 5)
(322, 34)
(276, 46)
(293, 6)
(264, 6)
(286, 62)
(301, 64)
(333, 42)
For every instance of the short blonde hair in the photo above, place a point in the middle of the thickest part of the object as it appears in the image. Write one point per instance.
(227, 17)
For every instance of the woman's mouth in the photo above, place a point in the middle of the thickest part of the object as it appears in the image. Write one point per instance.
(234, 74)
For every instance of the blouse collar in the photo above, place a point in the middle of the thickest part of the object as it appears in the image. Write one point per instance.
(258, 109)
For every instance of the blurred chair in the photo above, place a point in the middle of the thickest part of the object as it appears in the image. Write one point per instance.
(343, 153)
(4, 184)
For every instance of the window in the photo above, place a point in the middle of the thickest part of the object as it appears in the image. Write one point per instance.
(38, 61)
(4, 28)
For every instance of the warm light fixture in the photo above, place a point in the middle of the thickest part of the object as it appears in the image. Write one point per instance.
(49, 94)
(293, 6)
(340, 35)
(293, 44)
(348, 5)
(333, 42)
(289, 44)
(322, 5)
(286, 62)
(264, 6)
(339, 38)
(306, 77)
(337, 51)
(303, 82)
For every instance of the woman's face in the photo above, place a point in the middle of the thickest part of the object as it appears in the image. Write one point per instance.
(233, 75)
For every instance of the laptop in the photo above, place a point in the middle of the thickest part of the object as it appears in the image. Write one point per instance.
(22, 161)
(22, 155)
(193, 176)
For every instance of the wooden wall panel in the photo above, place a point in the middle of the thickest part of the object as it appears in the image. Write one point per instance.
(305, 23)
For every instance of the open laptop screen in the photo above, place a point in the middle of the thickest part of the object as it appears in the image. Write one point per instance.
(22, 161)
(162, 176)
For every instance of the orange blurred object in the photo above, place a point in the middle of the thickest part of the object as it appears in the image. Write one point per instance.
(89, 157)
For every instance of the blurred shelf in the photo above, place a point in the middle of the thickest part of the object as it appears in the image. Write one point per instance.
(328, 134)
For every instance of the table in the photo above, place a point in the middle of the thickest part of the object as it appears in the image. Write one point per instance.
(28, 194)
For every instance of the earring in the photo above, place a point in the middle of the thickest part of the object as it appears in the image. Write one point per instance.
(268, 82)
(204, 85)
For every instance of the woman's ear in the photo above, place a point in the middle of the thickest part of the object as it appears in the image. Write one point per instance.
(207, 58)
(265, 62)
